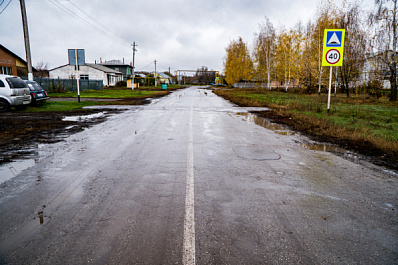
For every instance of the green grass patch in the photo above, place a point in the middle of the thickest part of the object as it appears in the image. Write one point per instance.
(63, 106)
(110, 93)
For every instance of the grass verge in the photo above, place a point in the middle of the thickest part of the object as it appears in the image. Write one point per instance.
(64, 106)
(111, 93)
(363, 124)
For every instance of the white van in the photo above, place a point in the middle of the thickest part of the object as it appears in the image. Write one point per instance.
(13, 92)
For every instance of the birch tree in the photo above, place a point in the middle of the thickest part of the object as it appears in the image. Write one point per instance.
(384, 18)
(355, 46)
(309, 62)
(264, 48)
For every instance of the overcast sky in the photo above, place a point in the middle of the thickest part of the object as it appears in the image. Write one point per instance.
(180, 34)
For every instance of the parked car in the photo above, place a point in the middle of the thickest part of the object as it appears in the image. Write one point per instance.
(14, 92)
(37, 93)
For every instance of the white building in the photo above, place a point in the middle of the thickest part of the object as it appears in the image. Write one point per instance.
(88, 71)
(375, 67)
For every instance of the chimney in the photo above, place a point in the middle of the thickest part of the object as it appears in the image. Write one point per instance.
(123, 60)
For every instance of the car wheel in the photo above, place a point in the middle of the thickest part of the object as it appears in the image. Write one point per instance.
(21, 107)
(4, 105)
(32, 100)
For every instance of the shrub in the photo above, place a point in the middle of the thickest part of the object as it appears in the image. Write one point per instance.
(121, 84)
(374, 88)
(57, 87)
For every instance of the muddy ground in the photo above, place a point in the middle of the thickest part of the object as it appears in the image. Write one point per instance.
(20, 131)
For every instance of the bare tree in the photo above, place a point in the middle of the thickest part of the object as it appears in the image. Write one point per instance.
(384, 18)
(355, 46)
(41, 69)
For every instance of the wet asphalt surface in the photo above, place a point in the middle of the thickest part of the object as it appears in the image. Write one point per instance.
(191, 179)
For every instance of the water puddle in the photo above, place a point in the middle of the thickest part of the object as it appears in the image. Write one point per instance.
(14, 161)
(282, 130)
(323, 147)
(12, 169)
(84, 117)
(277, 128)
(118, 107)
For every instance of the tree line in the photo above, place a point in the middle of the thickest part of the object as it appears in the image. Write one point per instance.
(291, 58)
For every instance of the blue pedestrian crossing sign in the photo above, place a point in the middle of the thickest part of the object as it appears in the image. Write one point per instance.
(333, 47)
(334, 38)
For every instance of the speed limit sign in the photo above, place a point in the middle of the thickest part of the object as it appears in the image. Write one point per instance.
(332, 56)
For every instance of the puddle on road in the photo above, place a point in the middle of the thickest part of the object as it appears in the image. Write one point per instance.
(84, 117)
(13, 162)
(276, 128)
(282, 130)
(323, 147)
(119, 107)
(12, 169)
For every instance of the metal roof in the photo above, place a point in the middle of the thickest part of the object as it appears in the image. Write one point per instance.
(103, 68)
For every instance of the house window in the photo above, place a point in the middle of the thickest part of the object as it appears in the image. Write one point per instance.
(85, 77)
(5, 70)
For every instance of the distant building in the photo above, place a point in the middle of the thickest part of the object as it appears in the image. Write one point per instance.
(88, 71)
(12, 64)
(163, 78)
(375, 68)
(117, 65)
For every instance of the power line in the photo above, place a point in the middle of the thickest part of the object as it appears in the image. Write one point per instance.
(86, 22)
(93, 19)
(5, 6)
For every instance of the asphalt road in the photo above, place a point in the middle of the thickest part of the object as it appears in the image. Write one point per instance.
(192, 179)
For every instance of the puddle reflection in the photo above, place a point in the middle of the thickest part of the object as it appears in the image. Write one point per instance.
(277, 128)
(84, 117)
(282, 130)
(323, 147)
(12, 169)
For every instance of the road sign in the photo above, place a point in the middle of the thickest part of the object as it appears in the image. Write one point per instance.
(332, 56)
(72, 56)
(333, 47)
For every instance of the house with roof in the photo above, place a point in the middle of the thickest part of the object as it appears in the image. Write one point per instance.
(88, 71)
(12, 64)
(120, 66)
(163, 78)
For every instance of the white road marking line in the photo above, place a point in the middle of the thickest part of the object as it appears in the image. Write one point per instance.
(188, 257)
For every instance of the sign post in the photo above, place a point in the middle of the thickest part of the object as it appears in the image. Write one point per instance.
(76, 58)
(333, 50)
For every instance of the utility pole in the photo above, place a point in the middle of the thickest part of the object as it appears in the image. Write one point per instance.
(155, 75)
(26, 37)
(134, 50)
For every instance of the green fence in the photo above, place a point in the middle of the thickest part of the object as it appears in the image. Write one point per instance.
(52, 85)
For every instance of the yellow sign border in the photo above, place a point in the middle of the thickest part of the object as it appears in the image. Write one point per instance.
(326, 49)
